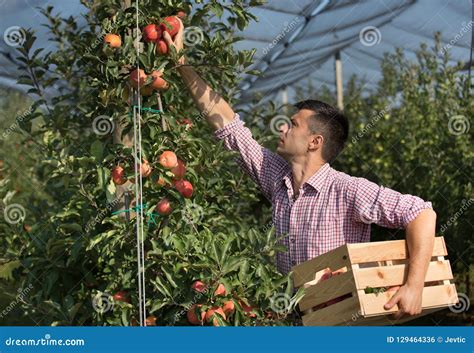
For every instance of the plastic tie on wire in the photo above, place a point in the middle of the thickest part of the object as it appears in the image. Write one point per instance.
(145, 109)
(137, 208)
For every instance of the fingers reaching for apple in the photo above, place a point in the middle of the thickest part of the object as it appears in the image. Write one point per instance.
(177, 43)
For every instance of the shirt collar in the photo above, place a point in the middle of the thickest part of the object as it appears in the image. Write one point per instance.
(316, 180)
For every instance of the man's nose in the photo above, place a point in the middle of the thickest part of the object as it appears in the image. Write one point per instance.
(284, 128)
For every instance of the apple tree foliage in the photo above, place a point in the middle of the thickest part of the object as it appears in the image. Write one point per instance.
(78, 254)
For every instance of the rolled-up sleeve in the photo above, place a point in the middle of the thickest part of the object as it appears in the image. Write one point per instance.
(383, 206)
(261, 164)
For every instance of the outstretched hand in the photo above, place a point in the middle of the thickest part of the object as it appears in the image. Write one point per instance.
(177, 43)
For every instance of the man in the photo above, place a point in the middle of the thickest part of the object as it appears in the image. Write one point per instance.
(318, 207)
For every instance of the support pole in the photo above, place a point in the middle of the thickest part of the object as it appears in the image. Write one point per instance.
(339, 89)
(123, 192)
(284, 99)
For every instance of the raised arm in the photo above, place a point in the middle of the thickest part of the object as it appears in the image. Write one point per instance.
(216, 110)
(261, 164)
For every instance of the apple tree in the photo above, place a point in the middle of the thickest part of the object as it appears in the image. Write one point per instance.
(209, 254)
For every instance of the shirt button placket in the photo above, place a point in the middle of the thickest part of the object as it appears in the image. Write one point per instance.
(293, 229)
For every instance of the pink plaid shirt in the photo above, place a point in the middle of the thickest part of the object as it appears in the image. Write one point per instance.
(332, 208)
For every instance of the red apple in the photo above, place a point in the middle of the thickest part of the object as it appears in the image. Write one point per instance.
(179, 170)
(184, 187)
(171, 25)
(145, 168)
(214, 310)
(220, 291)
(151, 320)
(121, 296)
(137, 78)
(152, 33)
(193, 317)
(185, 121)
(158, 83)
(229, 307)
(118, 175)
(247, 309)
(199, 286)
(164, 207)
(161, 47)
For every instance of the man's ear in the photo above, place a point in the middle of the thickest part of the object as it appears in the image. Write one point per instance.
(315, 142)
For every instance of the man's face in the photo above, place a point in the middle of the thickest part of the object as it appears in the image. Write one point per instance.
(295, 140)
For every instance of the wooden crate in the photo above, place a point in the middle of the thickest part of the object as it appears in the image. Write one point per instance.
(376, 265)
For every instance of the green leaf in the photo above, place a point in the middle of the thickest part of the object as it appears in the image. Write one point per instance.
(97, 150)
(110, 191)
(215, 253)
(50, 281)
(243, 273)
(161, 287)
(72, 312)
(72, 226)
(231, 265)
(169, 277)
(217, 9)
(6, 269)
(158, 304)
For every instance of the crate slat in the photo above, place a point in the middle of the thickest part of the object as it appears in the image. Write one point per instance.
(334, 314)
(433, 297)
(306, 271)
(387, 320)
(369, 321)
(396, 275)
(331, 288)
(409, 318)
(387, 250)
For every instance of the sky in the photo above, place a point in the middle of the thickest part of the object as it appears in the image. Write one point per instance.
(298, 39)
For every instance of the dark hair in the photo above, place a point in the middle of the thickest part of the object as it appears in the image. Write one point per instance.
(329, 122)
